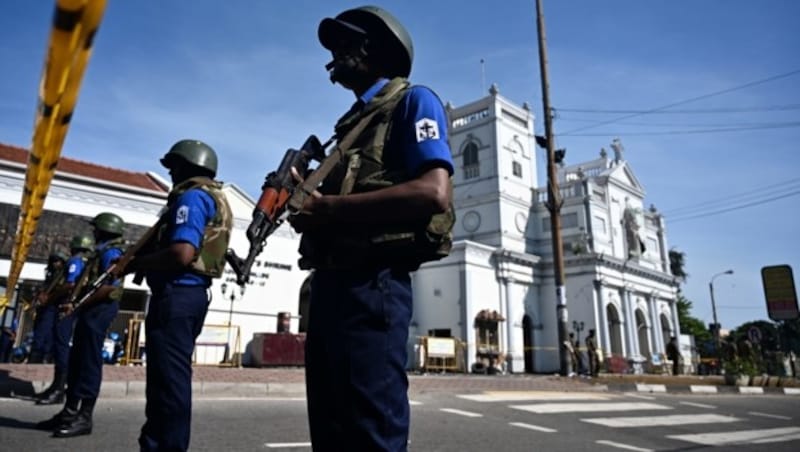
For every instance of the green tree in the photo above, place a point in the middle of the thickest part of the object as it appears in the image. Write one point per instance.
(689, 324)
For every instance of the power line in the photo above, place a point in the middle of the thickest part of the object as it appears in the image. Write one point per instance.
(739, 207)
(729, 198)
(683, 124)
(780, 125)
(693, 99)
(693, 111)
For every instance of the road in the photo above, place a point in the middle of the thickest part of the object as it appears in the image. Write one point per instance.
(449, 421)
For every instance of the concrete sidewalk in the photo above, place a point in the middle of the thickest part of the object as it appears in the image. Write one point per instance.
(212, 381)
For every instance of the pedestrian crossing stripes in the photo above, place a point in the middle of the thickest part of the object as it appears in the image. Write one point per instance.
(551, 408)
(762, 436)
(661, 421)
(515, 396)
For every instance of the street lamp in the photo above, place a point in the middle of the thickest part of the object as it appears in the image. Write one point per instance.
(714, 313)
(232, 297)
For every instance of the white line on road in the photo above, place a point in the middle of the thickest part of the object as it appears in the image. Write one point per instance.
(414, 402)
(770, 435)
(637, 396)
(622, 446)
(588, 407)
(532, 427)
(653, 421)
(771, 416)
(286, 445)
(698, 405)
(460, 412)
(511, 396)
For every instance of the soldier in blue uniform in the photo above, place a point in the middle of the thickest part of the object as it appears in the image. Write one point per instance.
(92, 319)
(80, 247)
(381, 213)
(46, 312)
(189, 252)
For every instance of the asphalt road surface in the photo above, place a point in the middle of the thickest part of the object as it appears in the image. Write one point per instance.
(492, 421)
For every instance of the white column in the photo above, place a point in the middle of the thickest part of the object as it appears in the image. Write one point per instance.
(633, 337)
(603, 333)
(515, 359)
(658, 346)
(675, 322)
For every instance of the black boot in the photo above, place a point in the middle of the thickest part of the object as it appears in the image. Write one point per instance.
(54, 395)
(79, 425)
(65, 415)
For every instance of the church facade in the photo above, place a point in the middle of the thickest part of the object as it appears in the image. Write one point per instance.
(496, 293)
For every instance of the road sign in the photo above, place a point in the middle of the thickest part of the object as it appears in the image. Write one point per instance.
(754, 334)
(780, 292)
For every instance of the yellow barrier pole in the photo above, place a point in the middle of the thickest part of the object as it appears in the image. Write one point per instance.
(75, 23)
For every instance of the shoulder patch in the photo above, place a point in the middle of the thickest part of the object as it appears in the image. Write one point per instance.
(182, 214)
(427, 129)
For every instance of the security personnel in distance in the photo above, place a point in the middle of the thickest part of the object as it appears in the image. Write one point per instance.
(81, 246)
(189, 253)
(92, 319)
(385, 210)
(46, 312)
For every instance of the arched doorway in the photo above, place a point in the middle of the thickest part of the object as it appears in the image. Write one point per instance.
(641, 334)
(614, 329)
(304, 302)
(527, 342)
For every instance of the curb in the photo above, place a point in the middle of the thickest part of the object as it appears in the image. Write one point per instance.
(200, 389)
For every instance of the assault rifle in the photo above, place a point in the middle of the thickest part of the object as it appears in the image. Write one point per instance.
(86, 291)
(279, 197)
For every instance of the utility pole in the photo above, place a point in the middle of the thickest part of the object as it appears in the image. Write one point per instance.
(553, 199)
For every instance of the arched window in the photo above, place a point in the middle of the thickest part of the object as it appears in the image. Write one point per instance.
(471, 164)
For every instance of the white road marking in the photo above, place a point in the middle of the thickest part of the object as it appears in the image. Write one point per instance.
(460, 412)
(654, 421)
(286, 445)
(637, 396)
(589, 407)
(622, 446)
(771, 416)
(511, 396)
(532, 427)
(698, 405)
(770, 435)
(414, 403)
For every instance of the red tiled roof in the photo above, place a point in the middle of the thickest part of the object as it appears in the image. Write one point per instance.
(85, 169)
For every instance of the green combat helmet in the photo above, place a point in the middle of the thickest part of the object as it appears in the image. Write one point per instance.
(193, 152)
(81, 242)
(387, 38)
(108, 222)
(58, 255)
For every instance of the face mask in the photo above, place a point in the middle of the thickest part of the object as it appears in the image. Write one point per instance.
(347, 67)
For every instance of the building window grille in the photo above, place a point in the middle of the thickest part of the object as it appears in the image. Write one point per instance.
(471, 164)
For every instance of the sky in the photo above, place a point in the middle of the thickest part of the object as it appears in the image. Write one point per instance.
(704, 96)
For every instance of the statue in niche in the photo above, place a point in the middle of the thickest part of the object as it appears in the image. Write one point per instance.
(630, 221)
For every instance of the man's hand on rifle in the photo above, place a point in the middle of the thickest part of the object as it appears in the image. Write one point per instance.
(66, 309)
(316, 209)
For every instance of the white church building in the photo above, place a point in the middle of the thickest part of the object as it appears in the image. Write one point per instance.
(490, 303)
(495, 293)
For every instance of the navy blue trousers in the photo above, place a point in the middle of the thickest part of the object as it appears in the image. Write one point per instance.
(174, 320)
(46, 317)
(62, 337)
(85, 372)
(356, 381)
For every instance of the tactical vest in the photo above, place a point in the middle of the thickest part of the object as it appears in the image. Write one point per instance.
(405, 244)
(92, 270)
(53, 279)
(209, 260)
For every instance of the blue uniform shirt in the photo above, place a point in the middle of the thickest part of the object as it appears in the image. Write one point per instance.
(107, 257)
(186, 223)
(419, 131)
(75, 266)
